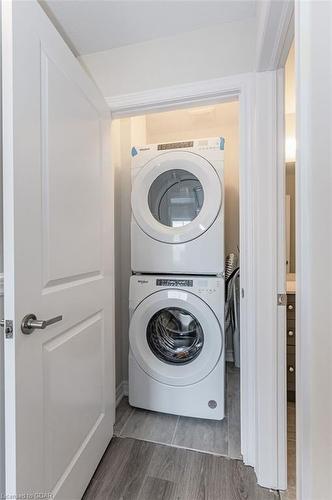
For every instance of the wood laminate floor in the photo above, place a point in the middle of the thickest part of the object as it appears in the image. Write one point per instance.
(137, 467)
(133, 469)
(221, 437)
(290, 494)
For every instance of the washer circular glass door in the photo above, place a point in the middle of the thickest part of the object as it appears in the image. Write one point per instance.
(175, 337)
(176, 197)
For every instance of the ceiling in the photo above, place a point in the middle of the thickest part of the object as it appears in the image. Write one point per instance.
(97, 25)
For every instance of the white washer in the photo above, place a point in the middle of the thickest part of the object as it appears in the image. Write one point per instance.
(177, 205)
(176, 354)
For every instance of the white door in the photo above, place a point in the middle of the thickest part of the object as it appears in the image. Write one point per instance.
(58, 244)
(176, 197)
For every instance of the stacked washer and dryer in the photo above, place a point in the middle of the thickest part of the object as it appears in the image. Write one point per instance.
(176, 298)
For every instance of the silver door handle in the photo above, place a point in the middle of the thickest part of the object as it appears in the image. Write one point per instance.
(30, 323)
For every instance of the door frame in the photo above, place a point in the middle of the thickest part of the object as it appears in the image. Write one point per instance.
(263, 350)
(241, 88)
(313, 66)
(276, 32)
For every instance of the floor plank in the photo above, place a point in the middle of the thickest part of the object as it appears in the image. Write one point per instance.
(133, 475)
(122, 471)
(233, 411)
(110, 468)
(290, 494)
(203, 435)
(157, 489)
(168, 463)
(123, 412)
(244, 484)
(150, 426)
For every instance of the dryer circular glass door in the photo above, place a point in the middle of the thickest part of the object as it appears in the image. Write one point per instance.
(176, 197)
(175, 337)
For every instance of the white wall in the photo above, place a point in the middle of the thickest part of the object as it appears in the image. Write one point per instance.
(219, 120)
(290, 148)
(203, 54)
(125, 133)
(116, 161)
(290, 106)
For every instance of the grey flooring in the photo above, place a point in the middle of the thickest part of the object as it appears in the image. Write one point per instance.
(133, 469)
(156, 456)
(290, 494)
(211, 436)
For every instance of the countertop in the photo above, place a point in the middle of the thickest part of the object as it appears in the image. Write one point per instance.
(291, 283)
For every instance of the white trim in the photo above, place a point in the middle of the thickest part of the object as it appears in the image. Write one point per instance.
(313, 54)
(119, 394)
(121, 391)
(288, 38)
(247, 273)
(270, 458)
(178, 96)
(8, 235)
(275, 34)
(224, 89)
(281, 282)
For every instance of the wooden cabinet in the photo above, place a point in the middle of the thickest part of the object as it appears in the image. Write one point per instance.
(291, 345)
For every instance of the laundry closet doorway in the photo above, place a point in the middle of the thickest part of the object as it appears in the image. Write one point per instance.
(198, 122)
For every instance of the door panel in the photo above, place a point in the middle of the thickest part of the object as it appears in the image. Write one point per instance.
(73, 393)
(58, 233)
(72, 144)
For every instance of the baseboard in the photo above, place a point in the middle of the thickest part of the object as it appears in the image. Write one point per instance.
(121, 391)
(229, 355)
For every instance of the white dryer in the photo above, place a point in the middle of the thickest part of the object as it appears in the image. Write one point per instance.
(177, 205)
(176, 354)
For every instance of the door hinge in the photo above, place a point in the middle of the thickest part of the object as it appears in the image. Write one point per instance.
(282, 299)
(8, 326)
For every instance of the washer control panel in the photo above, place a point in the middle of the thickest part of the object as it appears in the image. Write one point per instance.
(174, 282)
(206, 286)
